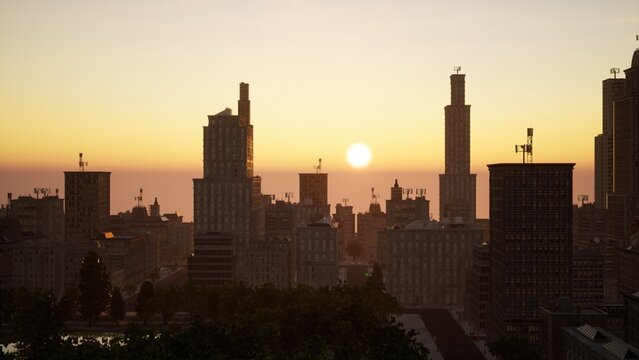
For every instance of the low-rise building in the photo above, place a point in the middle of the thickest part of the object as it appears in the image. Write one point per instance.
(594, 343)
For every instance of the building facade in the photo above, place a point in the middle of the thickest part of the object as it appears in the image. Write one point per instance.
(213, 261)
(424, 264)
(587, 277)
(316, 255)
(401, 210)
(530, 245)
(457, 186)
(40, 216)
(477, 290)
(587, 342)
(87, 204)
(227, 197)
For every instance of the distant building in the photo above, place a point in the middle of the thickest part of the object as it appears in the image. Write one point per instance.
(316, 254)
(345, 220)
(33, 263)
(314, 188)
(401, 211)
(587, 277)
(552, 320)
(87, 204)
(369, 224)
(127, 253)
(425, 264)
(530, 245)
(40, 216)
(476, 306)
(594, 343)
(457, 186)
(268, 263)
(227, 198)
(213, 260)
(629, 270)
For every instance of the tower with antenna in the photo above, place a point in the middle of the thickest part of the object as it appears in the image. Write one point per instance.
(82, 163)
(457, 186)
(527, 148)
(314, 186)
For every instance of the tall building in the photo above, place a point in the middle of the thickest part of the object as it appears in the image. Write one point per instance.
(314, 188)
(530, 245)
(87, 203)
(226, 198)
(345, 219)
(40, 216)
(401, 211)
(369, 224)
(623, 202)
(457, 197)
(612, 89)
(476, 301)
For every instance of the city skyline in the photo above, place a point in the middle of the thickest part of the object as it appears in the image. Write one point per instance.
(133, 110)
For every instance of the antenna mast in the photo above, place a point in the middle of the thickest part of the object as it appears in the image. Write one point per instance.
(407, 192)
(318, 168)
(421, 192)
(288, 196)
(583, 199)
(527, 148)
(139, 198)
(373, 196)
(457, 69)
(345, 201)
(82, 163)
(614, 72)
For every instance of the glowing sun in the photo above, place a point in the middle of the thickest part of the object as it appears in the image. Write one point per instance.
(359, 155)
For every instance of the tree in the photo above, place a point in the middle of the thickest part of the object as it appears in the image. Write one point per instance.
(116, 306)
(94, 287)
(513, 348)
(145, 306)
(37, 323)
(167, 302)
(355, 249)
(69, 303)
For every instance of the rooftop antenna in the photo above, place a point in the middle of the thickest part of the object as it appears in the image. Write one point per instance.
(421, 192)
(318, 168)
(41, 191)
(373, 196)
(583, 199)
(345, 201)
(288, 196)
(57, 192)
(614, 72)
(407, 192)
(457, 69)
(527, 148)
(139, 198)
(83, 163)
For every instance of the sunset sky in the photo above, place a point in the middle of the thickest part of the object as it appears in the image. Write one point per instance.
(129, 83)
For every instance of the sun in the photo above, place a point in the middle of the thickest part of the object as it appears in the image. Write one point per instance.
(359, 155)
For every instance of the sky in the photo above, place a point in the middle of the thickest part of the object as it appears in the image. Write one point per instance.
(129, 84)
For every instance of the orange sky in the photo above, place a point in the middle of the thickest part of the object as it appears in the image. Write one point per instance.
(130, 83)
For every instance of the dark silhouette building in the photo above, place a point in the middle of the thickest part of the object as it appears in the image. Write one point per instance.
(369, 224)
(40, 216)
(476, 302)
(213, 261)
(623, 201)
(530, 245)
(87, 203)
(226, 198)
(401, 210)
(612, 89)
(457, 186)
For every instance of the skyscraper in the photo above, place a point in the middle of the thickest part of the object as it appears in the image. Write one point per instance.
(457, 184)
(531, 244)
(226, 198)
(612, 89)
(623, 202)
(87, 203)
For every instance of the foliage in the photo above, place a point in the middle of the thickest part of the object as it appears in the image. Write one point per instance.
(167, 302)
(513, 348)
(70, 302)
(116, 306)
(37, 322)
(145, 306)
(94, 287)
(355, 249)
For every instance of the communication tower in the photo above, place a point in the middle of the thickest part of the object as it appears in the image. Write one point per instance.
(288, 196)
(139, 198)
(82, 163)
(318, 168)
(527, 148)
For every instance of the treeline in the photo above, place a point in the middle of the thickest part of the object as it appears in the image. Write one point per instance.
(232, 322)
